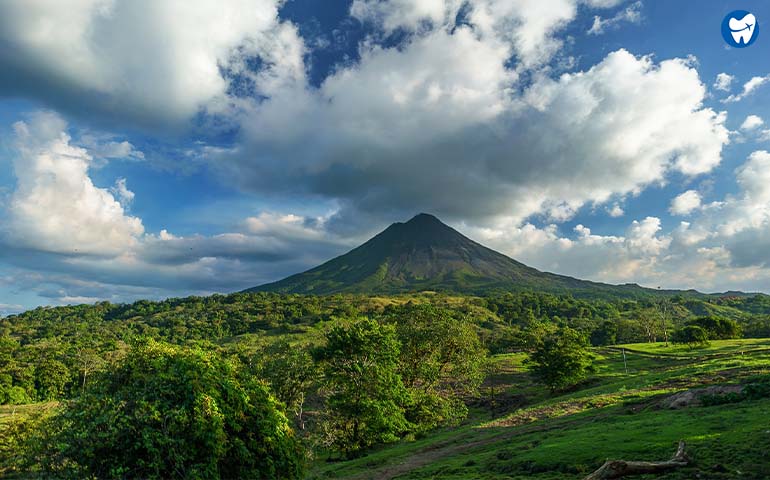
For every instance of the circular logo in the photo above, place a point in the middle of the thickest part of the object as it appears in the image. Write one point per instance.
(740, 28)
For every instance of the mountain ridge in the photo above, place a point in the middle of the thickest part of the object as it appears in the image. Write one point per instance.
(426, 254)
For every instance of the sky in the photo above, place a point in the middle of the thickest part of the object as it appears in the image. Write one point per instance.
(158, 149)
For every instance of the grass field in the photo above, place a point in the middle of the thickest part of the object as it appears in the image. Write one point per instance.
(521, 431)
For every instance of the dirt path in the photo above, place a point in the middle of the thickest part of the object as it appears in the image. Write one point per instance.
(423, 457)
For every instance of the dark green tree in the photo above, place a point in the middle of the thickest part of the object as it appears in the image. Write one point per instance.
(561, 359)
(365, 392)
(442, 362)
(606, 334)
(718, 328)
(172, 412)
(291, 373)
(692, 336)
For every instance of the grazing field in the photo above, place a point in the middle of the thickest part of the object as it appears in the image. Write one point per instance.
(521, 432)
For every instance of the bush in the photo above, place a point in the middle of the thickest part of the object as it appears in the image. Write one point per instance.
(171, 412)
(561, 359)
(692, 336)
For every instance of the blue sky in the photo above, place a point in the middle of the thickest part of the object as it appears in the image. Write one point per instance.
(153, 150)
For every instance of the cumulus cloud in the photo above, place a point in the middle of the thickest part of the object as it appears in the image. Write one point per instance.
(436, 122)
(120, 190)
(631, 14)
(60, 223)
(529, 28)
(615, 211)
(56, 207)
(723, 82)
(153, 62)
(752, 122)
(466, 119)
(748, 88)
(685, 203)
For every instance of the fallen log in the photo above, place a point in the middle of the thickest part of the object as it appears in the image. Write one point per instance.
(623, 468)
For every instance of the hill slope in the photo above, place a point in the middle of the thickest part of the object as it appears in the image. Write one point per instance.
(426, 254)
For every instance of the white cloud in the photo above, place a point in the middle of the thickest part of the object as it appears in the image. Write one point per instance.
(56, 207)
(685, 203)
(528, 27)
(615, 211)
(408, 14)
(104, 148)
(631, 14)
(723, 82)
(125, 196)
(748, 88)
(153, 62)
(10, 309)
(752, 122)
(438, 112)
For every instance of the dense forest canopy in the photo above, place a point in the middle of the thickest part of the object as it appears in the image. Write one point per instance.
(50, 352)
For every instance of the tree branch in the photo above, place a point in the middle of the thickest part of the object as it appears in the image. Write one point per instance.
(622, 468)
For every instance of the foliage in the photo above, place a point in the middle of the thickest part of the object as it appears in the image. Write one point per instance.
(717, 328)
(165, 411)
(291, 374)
(691, 335)
(441, 362)
(561, 359)
(366, 395)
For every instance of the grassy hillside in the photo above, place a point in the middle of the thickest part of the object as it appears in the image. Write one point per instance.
(615, 415)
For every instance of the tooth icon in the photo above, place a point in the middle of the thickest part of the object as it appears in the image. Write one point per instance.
(742, 30)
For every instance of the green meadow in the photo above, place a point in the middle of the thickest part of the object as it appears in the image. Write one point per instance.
(616, 414)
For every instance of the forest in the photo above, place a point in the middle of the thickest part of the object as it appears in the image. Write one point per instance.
(264, 385)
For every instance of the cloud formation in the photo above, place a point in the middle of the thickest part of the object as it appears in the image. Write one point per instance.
(56, 207)
(418, 119)
(685, 203)
(152, 63)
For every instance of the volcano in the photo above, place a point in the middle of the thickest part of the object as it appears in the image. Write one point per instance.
(426, 254)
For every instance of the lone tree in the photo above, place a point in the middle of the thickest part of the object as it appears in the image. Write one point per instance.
(561, 359)
(692, 336)
(365, 393)
(171, 412)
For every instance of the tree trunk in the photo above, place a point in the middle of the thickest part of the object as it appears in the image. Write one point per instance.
(622, 468)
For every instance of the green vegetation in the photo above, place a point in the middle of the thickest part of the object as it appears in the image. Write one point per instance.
(165, 411)
(617, 415)
(266, 384)
(561, 359)
(691, 335)
(359, 363)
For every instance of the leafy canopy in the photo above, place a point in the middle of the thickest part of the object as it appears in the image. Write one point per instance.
(561, 359)
(171, 412)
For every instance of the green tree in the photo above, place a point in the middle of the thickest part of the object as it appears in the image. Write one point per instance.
(171, 412)
(366, 394)
(291, 373)
(606, 334)
(692, 336)
(561, 359)
(441, 362)
(718, 328)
